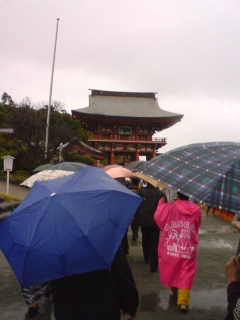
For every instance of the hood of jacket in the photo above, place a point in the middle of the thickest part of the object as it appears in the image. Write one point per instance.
(186, 207)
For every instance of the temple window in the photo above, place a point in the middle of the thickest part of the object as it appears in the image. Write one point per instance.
(106, 136)
(143, 137)
(125, 130)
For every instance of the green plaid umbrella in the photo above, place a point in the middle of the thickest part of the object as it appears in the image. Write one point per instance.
(206, 172)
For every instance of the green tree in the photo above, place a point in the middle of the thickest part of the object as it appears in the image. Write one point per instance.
(75, 157)
(63, 128)
(29, 124)
(28, 121)
(6, 144)
(5, 114)
(7, 99)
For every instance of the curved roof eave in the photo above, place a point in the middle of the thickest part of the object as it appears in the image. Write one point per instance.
(130, 107)
(172, 117)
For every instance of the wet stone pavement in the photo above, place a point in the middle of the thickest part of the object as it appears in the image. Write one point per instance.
(208, 299)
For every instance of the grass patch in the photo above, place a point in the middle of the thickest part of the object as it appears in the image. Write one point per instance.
(9, 198)
(15, 177)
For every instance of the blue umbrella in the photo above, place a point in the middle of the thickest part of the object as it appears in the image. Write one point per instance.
(66, 226)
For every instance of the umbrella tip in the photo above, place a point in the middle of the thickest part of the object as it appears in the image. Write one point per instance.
(53, 194)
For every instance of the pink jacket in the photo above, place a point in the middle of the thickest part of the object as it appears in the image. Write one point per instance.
(179, 222)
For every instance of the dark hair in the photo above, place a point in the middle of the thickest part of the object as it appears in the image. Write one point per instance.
(182, 196)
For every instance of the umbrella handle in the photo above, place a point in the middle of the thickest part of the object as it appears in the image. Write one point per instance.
(238, 248)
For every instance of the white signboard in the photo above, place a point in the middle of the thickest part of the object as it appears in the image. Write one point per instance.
(8, 163)
(143, 158)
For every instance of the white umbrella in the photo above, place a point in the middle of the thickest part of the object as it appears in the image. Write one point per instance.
(44, 175)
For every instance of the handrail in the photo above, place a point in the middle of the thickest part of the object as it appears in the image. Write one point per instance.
(158, 139)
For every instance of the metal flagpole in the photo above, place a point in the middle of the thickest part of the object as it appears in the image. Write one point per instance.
(50, 94)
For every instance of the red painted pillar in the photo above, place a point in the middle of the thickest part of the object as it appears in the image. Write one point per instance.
(112, 155)
(153, 154)
(137, 154)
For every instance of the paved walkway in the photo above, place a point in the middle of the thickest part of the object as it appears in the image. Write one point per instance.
(208, 301)
(14, 190)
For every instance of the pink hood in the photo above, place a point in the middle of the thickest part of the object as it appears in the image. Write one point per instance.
(186, 207)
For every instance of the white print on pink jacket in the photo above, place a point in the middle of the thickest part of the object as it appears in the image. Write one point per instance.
(179, 243)
(178, 240)
(178, 222)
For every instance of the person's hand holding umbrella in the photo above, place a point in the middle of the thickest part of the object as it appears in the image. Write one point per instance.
(236, 221)
(131, 317)
(232, 269)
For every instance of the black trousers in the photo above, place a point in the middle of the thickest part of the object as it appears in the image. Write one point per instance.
(150, 239)
(125, 244)
(135, 228)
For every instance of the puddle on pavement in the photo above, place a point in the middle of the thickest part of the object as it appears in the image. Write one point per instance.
(149, 302)
(206, 299)
(222, 229)
(201, 299)
(19, 309)
(215, 243)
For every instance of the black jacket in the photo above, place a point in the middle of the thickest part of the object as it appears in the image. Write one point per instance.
(96, 295)
(145, 213)
(233, 294)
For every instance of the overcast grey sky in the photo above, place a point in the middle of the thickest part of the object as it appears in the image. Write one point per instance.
(187, 51)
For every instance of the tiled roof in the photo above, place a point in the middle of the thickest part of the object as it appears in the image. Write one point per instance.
(125, 104)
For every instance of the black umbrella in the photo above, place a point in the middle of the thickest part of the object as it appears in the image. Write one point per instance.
(69, 166)
(133, 165)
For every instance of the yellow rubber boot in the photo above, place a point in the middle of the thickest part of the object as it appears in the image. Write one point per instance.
(183, 299)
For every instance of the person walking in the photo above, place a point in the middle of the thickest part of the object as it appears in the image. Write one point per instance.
(208, 209)
(236, 221)
(125, 243)
(179, 222)
(33, 294)
(232, 270)
(96, 295)
(144, 217)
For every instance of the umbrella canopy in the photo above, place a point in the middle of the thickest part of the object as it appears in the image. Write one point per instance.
(207, 172)
(66, 226)
(153, 182)
(110, 166)
(69, 166)
(119, 172)
(133, 165)
(43, 167)
(44, 175)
